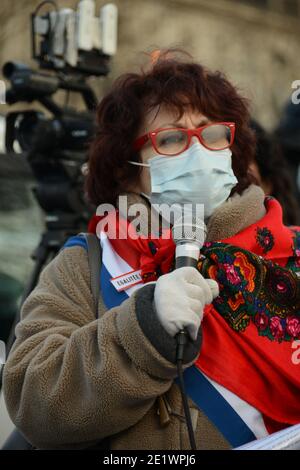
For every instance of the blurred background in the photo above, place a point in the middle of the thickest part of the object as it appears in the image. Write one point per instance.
(256, 43)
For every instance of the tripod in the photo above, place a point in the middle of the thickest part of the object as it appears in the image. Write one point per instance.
(59, 228)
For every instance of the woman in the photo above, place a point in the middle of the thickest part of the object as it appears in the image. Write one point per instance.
(74, 381)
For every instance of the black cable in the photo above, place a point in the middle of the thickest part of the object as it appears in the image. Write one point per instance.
(40, 5)
(181, 342)
(51, 28)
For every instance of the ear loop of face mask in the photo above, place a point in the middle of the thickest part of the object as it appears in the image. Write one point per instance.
(145, 165)
(139, 164)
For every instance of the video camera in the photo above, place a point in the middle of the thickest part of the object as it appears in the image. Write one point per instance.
(73, 45)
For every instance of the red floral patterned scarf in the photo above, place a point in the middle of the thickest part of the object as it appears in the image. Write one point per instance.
(251, 332)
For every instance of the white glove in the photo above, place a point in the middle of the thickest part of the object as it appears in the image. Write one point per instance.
(180, 297)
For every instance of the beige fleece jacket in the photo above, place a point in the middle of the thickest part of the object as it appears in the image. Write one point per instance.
(72, 380)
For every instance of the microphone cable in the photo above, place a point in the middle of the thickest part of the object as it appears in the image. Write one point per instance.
(181, 339)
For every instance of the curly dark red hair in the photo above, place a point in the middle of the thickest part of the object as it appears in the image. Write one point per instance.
(177, 84)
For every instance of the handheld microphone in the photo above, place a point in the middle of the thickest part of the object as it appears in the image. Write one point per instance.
(189, 234)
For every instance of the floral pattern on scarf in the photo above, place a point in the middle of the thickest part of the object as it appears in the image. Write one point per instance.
(253, 289)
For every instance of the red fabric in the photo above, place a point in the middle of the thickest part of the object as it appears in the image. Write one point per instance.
(258, 370)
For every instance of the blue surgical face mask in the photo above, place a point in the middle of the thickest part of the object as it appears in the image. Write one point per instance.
(196, 176)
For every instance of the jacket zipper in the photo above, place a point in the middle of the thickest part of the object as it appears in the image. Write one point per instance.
(164, 411)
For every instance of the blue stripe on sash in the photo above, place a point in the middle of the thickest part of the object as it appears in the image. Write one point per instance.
(216, 408)
(112, 298)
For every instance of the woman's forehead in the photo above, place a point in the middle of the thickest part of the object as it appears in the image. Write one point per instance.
(163, 115)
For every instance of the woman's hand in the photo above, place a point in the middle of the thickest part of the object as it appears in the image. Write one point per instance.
(180, 297)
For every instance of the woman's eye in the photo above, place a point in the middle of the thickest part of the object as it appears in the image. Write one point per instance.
(172, 139)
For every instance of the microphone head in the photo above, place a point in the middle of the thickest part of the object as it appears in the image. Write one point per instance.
(189, 228)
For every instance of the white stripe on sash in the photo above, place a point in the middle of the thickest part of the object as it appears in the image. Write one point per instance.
(250, 415)
(114, 264)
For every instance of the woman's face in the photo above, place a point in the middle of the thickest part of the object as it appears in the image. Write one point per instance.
(159, 119)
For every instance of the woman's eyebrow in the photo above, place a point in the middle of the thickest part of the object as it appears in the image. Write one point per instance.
(178, 124)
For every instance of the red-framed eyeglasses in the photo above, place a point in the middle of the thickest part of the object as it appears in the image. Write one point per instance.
(173, 141)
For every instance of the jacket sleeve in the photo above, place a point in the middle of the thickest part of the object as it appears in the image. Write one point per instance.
(72, 380)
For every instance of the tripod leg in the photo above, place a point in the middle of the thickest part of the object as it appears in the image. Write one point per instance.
(41, 256)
